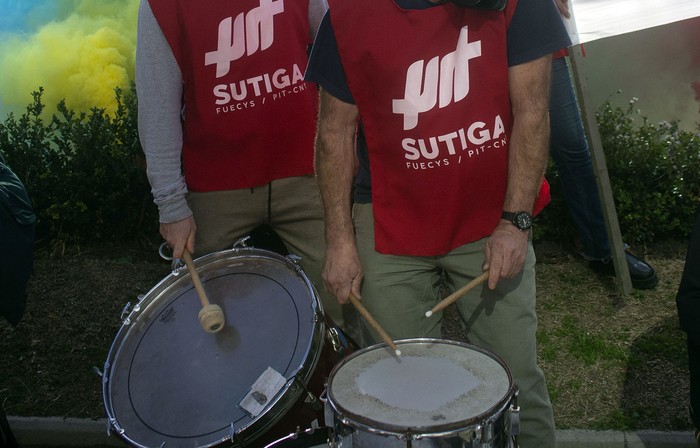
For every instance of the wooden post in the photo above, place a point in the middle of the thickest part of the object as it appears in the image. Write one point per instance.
(622, 277)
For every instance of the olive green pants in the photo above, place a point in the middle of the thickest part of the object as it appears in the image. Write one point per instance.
(398, 290)
(292, 208)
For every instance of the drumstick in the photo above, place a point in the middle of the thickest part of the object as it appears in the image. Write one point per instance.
(452, 298)
(211, 317)
(373, 323)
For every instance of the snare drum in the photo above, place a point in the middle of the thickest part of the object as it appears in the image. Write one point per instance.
(168, 383)
(438, 393)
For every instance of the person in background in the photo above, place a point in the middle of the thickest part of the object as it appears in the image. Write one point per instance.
(688, 304)
(572, 158)
(227, 125)
(17, 220)
(452, 103)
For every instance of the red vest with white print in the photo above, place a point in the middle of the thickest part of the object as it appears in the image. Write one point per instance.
(249, 117)
(431, 86)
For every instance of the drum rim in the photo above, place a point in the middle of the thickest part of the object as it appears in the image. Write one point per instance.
(441, 430)
(287, 396)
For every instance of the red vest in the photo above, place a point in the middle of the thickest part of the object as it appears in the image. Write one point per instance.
(432, 88)
(249, 117)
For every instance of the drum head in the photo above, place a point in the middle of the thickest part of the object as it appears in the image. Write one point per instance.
(434, 386)
(168, 381)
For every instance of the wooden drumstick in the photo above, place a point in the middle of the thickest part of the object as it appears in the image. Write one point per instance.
(211, 317)
(373, 323)
(452, 298)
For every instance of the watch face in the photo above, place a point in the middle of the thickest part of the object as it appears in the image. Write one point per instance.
(523, 221)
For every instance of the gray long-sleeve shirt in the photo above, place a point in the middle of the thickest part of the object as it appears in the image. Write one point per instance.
(159, 88)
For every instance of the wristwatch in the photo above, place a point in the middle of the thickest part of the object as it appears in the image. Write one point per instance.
(521, 220)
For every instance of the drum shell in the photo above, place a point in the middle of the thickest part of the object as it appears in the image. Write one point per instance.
(285, 410)
(495, 428)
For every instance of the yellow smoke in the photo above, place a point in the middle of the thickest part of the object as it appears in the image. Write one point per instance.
(81, 58)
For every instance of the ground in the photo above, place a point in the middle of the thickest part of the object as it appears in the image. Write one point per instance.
(611, 362)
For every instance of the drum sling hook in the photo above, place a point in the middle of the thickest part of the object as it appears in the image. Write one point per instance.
(311, 399)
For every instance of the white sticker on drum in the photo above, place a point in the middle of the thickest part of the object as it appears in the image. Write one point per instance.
(262, 392)
(416, 383)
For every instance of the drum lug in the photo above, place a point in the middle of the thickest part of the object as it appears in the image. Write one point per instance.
(328, 414)
(409, 440)
(232, 433)
(296, 262)
(514, 417)
(139, 299)
(514, 420)
(342, 435)
(177, 266)
(472, 437)
(125, 312)
(241, 242)
(481, 436)
(112, 424)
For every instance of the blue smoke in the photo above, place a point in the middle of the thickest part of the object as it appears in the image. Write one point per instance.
(26, 16)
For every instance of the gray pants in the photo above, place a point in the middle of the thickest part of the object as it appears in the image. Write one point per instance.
(398, 290)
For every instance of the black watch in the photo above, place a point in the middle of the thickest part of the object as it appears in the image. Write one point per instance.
(521, 220)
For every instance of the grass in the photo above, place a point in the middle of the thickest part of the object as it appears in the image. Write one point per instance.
(611, 362)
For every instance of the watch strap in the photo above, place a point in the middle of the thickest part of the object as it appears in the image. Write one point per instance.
(508, 216)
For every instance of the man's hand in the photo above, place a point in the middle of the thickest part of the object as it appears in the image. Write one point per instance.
(179, 235)
(504, 252)
(342, 271)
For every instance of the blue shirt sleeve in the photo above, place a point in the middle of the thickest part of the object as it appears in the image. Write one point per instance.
(536, 30)
(325, 67)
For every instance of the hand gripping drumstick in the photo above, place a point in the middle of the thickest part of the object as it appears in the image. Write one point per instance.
(211, 317)
(452, 298)
(373, 323)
